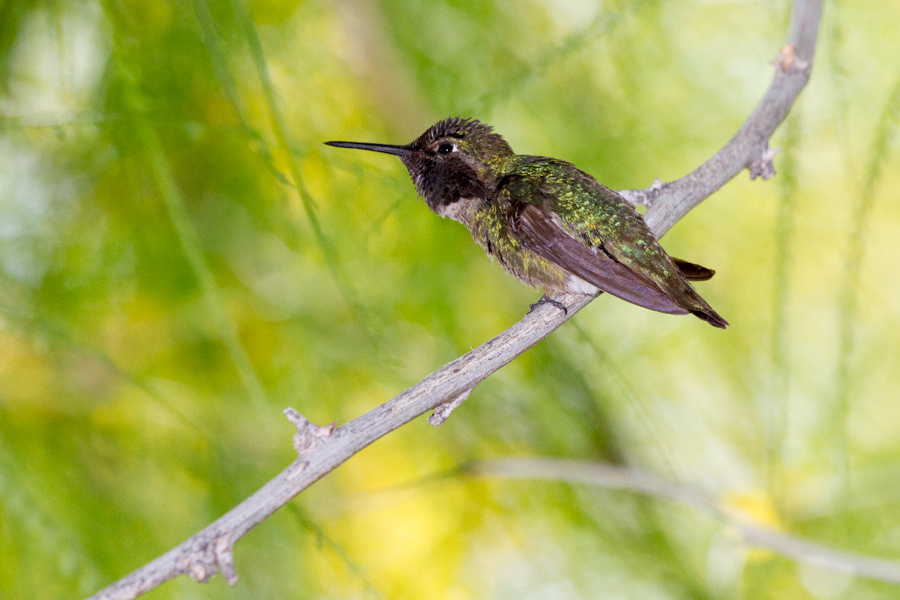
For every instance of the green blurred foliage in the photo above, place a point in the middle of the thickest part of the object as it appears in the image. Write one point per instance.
(181, 258)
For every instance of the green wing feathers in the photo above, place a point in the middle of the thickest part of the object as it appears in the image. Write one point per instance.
(552, 204)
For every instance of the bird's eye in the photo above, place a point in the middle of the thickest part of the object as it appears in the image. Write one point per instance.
(445, 148)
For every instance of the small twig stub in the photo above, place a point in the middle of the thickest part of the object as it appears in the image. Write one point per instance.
(308, 434)
(763, 166)
(442, 411)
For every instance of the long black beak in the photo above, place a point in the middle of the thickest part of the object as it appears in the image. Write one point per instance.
(386, 148)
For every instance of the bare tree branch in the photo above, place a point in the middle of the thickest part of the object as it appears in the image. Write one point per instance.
(623, 478)
(322, 449)
(749, 148)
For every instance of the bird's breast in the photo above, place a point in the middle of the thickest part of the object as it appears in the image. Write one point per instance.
(461, 210)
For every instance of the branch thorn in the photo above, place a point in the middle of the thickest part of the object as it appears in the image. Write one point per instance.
(308, 434)
(225, 559)
(442, 411)
(763, 165)
(215, 555)
(788, 60)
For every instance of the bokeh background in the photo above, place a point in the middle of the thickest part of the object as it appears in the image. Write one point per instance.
(181, 259)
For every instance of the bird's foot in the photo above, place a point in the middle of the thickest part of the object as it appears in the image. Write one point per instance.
(547, 300)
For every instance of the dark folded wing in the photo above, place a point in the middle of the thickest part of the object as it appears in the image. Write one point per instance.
(540, 233)
(692, 271)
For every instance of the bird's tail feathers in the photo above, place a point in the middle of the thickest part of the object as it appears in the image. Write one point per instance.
(711, 317)
(692, 271)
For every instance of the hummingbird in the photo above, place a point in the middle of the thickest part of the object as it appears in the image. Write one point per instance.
(545, 221)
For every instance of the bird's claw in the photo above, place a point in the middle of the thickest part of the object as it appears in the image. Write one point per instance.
(546, 300)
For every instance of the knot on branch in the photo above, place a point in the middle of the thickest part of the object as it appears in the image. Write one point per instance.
(208, 557)
(308, 434)
(442, 411)
(646, 196)
(789, 61)
(762, 166)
